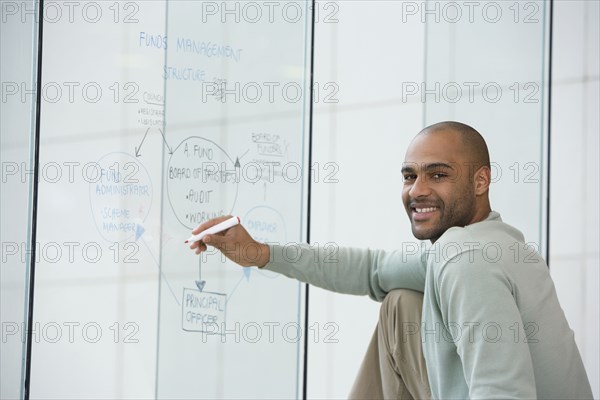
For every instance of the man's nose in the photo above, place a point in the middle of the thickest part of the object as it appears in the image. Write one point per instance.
(419, 188)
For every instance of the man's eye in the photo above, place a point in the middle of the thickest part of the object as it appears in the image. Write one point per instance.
(439, 175)
(409, 177)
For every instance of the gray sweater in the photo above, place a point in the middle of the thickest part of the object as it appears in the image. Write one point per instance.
(492, 324)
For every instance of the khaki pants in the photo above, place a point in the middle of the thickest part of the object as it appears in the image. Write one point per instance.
(394, 367)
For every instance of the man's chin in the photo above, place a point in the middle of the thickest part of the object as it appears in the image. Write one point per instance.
(420, 234)
(424, 234)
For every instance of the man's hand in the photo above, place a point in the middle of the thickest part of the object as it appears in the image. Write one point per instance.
(235, 243)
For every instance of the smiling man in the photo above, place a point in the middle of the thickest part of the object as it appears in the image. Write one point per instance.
(446, 179)
(474, 316)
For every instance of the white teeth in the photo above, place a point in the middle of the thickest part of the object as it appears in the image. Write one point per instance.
(424, 210)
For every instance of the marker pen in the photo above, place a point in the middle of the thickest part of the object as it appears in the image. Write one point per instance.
(231, 222)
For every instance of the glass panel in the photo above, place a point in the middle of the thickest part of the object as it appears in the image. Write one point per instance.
(99, 201)
(472, 76)
(18, 69)
(236, 95)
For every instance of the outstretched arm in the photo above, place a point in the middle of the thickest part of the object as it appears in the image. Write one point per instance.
(349, 270)
(339, 269)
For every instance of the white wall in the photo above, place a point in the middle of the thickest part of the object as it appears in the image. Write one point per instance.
(574, 197)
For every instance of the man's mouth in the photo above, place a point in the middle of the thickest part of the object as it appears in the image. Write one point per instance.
(424, 210)
(423, 213)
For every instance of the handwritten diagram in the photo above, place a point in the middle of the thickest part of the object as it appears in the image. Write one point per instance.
(202, 181)
(120, 197)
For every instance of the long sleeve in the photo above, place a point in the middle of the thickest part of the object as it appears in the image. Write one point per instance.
(350, 270)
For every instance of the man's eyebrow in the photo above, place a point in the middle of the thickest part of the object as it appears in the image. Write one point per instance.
(409, 167)
(437, 165)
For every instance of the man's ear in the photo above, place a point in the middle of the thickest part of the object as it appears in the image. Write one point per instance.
(482, 180)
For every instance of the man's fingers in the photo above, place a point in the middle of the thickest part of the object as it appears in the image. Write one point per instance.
(210, 223)
(229, 242)
(217, 241)
(198, 245)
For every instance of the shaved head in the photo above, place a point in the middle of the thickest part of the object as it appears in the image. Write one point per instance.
(474, 144)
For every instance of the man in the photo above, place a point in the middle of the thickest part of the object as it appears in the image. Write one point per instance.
(480, 301)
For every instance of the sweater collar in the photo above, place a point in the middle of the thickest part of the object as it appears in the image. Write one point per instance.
(494, 216)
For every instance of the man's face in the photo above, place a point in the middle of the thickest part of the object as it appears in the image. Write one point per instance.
(438, 188)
